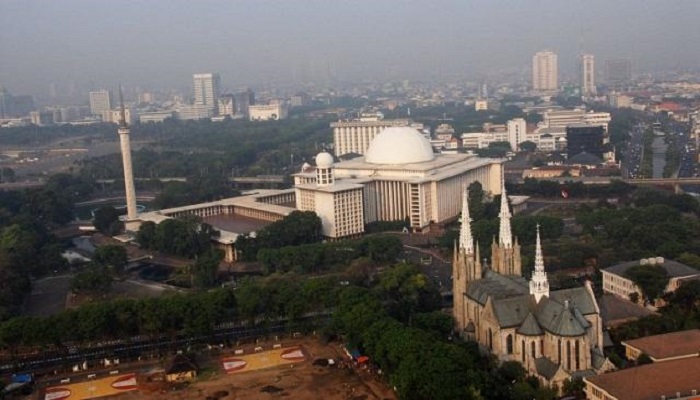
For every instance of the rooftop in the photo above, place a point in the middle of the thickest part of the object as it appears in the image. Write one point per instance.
(651, 381)
(669, 345)
(674, 269)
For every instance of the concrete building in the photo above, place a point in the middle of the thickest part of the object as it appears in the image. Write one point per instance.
(115, 116)
(195, 111)
(207, 90)
(227, 105)
(615, 280)
(545, 73)
(155, 116)
(678, 380)
(243, 101)
(42, 118)
(588, 88)
(269, 112)
(339, 206)
(665, 347)
(481, 105)
(100, 101)
(517, 132)
(554, 334)
(354, 136)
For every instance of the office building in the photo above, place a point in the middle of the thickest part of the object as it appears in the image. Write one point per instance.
(618, 72)
(243, 100)
(355, 136)
(545, 73)
(207, 90)
(100, 101)
(42, 118)
(586, 138)
(227, 105)
(588, 75)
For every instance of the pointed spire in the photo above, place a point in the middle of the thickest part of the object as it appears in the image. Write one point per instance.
(466, 241)
(505, 236)
(122, 117)
(539, 285)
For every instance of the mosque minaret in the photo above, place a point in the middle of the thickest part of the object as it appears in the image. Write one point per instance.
(125, 142)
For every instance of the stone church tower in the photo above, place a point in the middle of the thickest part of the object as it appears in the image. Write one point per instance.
(466, 266)
(505, 254)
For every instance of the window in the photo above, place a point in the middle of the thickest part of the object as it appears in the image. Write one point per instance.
(509, 344)
(522, 350)
(533, 349)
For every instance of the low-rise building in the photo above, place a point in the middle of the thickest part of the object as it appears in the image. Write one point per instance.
(616, 281)
(269, 112)
(678, 379)
(666, 347)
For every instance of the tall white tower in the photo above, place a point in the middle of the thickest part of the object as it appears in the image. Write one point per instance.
(539, 285)
(324, 169)
(466, 268)
(545, 73)
(587, 75)
(125, 143)
(505, 253)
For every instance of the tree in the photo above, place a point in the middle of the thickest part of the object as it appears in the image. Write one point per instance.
(634, 297)
(93, 279)
(644, 359)
(146, 236)
(205, 270)
(106, 220)
(112, 256)
(651, 279)
(528, 145)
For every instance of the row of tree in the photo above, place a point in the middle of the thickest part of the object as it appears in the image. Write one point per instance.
(298, 228)
(185, 237)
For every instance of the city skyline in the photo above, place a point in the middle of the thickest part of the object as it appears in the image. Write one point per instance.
(80, 41)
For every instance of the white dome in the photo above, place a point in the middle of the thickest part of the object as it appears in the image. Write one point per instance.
(324, 160)
(399, 145)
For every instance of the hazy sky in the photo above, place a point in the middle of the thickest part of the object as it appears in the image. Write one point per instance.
(161, 43)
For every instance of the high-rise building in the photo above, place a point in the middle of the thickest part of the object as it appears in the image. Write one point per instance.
(588, 75)
(618, 72)
(207, 89)
(244, 100)
(517, 131)
(545, 72)
(100, 101)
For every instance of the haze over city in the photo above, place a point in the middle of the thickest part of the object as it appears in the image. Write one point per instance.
(160, 44)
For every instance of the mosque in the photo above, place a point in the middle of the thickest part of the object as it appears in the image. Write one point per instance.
(399, 177)
(556, 335)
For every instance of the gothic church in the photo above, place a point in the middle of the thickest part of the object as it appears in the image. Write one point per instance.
(556, 335)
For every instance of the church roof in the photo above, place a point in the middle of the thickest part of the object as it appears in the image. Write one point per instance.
(497, 286)
(546, 368)
(578, 297)
(512, 311)
(530, 327)
(559, 320)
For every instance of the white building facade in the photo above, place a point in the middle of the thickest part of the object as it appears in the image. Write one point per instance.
(354, 136)
(588, 75)
(270, 112)
(545, 72)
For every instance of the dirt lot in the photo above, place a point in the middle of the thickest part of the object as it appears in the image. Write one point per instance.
(302, 380)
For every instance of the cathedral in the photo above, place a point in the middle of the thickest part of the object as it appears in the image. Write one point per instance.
(556, 335)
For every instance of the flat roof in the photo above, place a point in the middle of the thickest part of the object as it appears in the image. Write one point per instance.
(668, 345)
(235, 223)
(651, 381)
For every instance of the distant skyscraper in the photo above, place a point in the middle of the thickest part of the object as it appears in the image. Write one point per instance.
(545, 72)
(207, 89)
(587, 75)
(618, 72)
(100, 101)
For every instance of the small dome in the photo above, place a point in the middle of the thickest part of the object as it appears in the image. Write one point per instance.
(399, 145)
(324, 160)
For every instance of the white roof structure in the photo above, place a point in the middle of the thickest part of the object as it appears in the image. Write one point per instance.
(399, 145)
(324, 160)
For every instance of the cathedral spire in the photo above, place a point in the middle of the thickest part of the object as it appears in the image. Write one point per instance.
(539, 285)
(505, 236)
(466, 241)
